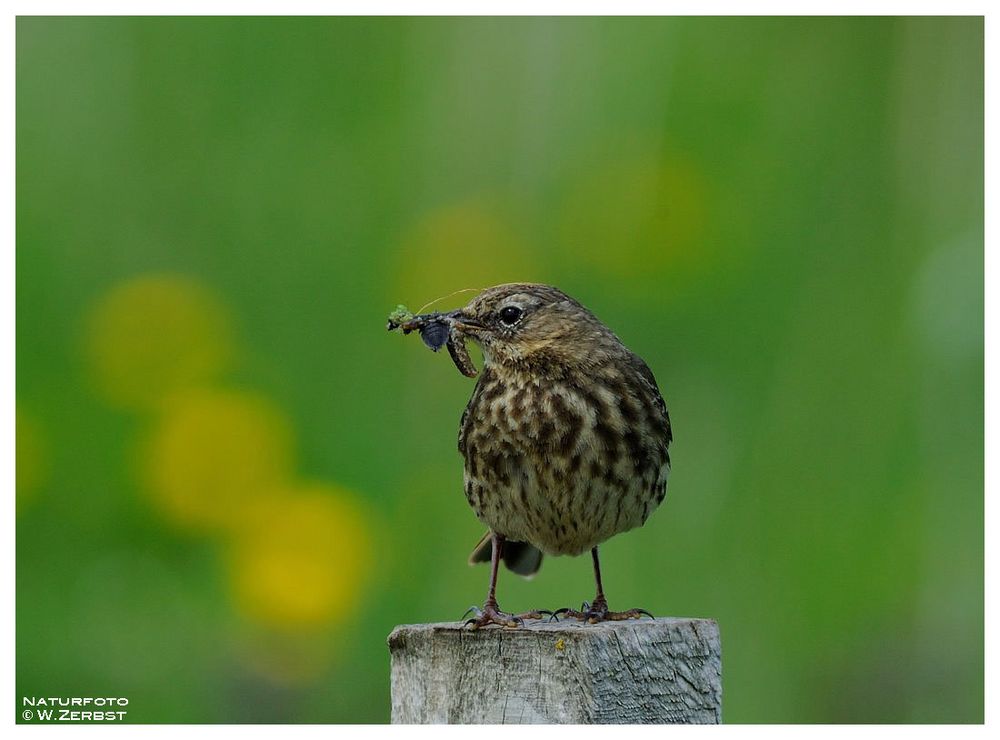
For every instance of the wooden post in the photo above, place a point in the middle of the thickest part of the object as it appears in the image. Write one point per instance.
(663, 671)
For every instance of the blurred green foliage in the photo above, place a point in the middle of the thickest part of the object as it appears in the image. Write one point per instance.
(232, 482)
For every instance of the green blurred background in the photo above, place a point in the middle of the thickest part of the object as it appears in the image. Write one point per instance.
(232, 482)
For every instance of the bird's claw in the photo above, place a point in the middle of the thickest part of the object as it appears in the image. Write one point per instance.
(599, 612)
(639, 613)
(536, 614)
(491, 614)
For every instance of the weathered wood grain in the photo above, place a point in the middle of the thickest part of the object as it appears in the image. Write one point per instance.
(663, 671)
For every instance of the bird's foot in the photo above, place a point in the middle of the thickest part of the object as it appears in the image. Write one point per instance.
(599, 612)
(491, 614)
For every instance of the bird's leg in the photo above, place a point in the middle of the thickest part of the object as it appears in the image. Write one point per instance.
(598, 611)
(490, 613)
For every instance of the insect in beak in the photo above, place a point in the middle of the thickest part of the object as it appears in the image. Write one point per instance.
(436, 331)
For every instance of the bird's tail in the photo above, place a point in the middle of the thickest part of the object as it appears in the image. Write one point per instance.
(520, 557)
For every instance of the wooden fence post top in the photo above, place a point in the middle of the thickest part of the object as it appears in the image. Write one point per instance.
(636, 671)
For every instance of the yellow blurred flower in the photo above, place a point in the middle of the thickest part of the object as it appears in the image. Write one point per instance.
(31, 457)
(462, 245)
(212, 453)
(302, 557)
(155, 334)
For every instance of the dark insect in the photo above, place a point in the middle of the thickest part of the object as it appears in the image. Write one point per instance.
(435, 334)
(436, 331)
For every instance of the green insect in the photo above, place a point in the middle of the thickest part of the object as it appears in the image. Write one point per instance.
(399, 316)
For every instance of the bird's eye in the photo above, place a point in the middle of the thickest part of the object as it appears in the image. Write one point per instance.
(510, 315)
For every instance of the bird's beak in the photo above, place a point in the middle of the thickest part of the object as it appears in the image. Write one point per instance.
(457, 319)
(463, 322)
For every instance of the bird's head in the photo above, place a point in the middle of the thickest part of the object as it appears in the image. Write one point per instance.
(520, 325)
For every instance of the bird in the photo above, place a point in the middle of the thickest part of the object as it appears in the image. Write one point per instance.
(565, 439)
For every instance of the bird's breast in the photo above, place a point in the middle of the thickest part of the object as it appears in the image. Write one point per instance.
(562, 465)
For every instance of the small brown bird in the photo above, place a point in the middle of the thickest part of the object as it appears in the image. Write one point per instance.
(565, 437)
